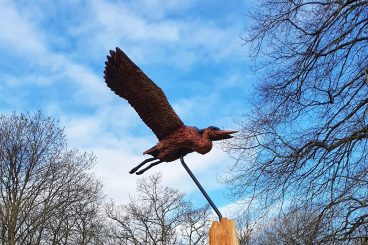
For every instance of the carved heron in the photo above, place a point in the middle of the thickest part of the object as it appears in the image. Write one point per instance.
(175, 139)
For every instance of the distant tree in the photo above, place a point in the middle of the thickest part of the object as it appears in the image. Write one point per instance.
(158, 215)
(306, 138)
(47, 194)
(245, 229)
(296, 226)
(195, 228)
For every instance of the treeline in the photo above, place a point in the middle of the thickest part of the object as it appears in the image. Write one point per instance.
(50, 196)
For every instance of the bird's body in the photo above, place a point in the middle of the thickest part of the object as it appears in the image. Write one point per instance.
(175, 139)
(181, 142)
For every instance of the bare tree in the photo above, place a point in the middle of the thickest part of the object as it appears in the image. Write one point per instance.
(305, 140)
(296, 226)
(47, 195)
(158, 215)
(246, 228)
(194, 230)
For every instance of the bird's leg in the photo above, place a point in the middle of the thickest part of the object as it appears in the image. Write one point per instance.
(149, 166)
(141, 164)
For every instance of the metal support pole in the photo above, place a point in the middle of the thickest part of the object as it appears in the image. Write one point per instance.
(201, 188)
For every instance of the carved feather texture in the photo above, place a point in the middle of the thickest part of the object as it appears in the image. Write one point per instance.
(129, 82)
(180, 143)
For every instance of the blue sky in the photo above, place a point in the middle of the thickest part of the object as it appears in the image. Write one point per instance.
(52, 56)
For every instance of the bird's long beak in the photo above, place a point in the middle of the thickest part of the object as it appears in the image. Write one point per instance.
(223, 134)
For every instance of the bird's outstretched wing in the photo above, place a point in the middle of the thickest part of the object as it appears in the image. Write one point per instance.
(128, 81)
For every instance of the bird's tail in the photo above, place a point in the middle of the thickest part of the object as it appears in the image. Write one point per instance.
(153, 151)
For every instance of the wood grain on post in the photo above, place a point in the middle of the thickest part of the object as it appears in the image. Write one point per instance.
(223, 233)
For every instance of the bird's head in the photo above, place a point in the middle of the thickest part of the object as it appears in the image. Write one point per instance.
(215, 133)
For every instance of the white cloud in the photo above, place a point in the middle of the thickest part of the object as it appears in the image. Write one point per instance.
(92, 89)
(112, 169)
(118, 18)
(157, 9)
(135, 28)
(234, 209)
(17, 32)
(25, 39)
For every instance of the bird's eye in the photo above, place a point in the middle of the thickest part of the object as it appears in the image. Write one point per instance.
(213, 128)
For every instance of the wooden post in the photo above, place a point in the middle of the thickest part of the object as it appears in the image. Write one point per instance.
(223, 233)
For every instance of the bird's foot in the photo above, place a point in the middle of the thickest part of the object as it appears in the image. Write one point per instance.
(149, 166)
(133, 170)
(140, 172)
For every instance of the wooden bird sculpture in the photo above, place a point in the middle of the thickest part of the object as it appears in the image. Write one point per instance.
(175, 139)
